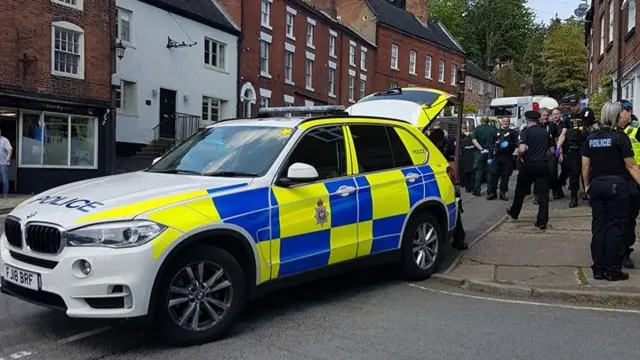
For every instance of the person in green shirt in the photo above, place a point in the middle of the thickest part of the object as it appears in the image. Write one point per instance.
(483, 138)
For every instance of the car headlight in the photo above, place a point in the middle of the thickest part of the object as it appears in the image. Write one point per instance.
(116, 234)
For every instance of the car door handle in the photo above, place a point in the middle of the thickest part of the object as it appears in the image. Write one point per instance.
(345, 190)
(411, 177)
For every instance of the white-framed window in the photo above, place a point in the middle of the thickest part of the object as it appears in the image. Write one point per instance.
(352, 85)
(289, 100)
(631, 15)
(332, 44)
(75, 4)
(264, 102)
(289, 21)
(311, 27)
(332, 82)
(288, 66)
(393, 84)
(412, 62)
(454, 74)
(127, 98)
(394, 56)
(212, 109)
(124, 26)
(441, 71)
(602, 34)
(67, 47)
(264, 57)
(214, 53)
(265, 13)
(481, 91)
(362, 88)
(611, 20)
(352, 54)
(54, 140)
(308, 74)
(363, 59)
(427, 67)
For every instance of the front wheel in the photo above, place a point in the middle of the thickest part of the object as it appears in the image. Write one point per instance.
(201, 295)
(422, 244)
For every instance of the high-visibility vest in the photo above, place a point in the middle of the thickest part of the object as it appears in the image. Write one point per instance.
(632, 131)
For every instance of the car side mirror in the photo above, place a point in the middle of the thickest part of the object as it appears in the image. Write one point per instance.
(156, 160)
(299, 172)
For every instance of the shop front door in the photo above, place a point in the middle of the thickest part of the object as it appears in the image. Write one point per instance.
(9, 127)
(167, 114)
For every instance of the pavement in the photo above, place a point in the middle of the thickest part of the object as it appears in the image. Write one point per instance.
(519, 259)
(13, 200)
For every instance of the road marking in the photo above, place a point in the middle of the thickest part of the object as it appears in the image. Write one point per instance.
(18, 355)
(524, 302)
(84, 335)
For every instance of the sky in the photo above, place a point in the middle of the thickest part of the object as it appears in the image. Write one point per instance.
(546, 9)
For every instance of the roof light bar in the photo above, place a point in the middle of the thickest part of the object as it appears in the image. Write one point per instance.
(302, 110)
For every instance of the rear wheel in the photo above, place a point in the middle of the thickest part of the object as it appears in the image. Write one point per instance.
(422, 245)
(200, 296)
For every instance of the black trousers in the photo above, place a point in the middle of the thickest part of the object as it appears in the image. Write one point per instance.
(501, 170)
(630, 234)
(480, 168)
(574, 162)
(553, 176)
(533, 172)
(610, 201)
(466, 178)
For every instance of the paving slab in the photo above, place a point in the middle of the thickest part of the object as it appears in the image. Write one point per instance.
(478, 272)
(536, 276)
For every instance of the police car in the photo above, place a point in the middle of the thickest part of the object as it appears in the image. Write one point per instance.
(243, 207)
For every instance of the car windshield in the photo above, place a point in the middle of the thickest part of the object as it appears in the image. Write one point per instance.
(226, 151)
(503, 110)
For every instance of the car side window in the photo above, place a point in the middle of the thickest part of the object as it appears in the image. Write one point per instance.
(378, 148)
(324, 149)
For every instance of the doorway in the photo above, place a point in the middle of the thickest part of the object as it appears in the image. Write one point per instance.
(167, 114)
(9, 128)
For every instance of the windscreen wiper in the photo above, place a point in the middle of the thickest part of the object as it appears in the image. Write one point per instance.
(176, 171)
(226, 173)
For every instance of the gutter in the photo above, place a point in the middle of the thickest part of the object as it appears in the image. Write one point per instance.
(239, 105)
(619, 70)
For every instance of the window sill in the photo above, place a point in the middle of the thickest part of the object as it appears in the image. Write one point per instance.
(291, 37)
(441, 81)
(74, 7)
(352, 101)
(363, 69)
(333, 96)
(289, 82)
(309, 89)
(215, 68)
(267, 26)
(312, 47)
(428, 77)
(333, 56)
(68, 76)
(630, 34)
(413, 74)
(265, 75)
(609, 46)
(394, 69)
(600, 58)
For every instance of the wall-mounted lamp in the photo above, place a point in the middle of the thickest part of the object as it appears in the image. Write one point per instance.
(120, 49)
(154, 92)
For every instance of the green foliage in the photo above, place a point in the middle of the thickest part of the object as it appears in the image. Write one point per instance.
(565, 56)
(511, 80)
(605, 91)
(470, 109)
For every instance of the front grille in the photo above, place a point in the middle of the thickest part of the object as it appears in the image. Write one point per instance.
(43, 239)
(33, 260)
(13, 232)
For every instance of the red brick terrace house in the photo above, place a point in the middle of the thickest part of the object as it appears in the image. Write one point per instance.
(614, 46)
(412, 50)
(293, 55)
(55, 90)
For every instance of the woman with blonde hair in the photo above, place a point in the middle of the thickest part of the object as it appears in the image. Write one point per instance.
(608, 167)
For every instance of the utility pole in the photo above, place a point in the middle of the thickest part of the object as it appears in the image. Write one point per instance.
(461, 88)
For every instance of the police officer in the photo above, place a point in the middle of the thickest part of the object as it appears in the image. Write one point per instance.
(556, 186)
(483, 138)
(502, 165)
(573, 135)
(467, 154)
(552, 130)
(630, 128)
(608, 170)
(534, 150)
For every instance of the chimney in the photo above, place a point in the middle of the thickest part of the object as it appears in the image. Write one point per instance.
(418, 8)
(328, 6)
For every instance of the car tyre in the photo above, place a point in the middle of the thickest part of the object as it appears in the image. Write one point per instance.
(169, 311)
(423, 235)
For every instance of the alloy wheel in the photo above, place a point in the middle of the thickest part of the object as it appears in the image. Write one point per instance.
(425, 245)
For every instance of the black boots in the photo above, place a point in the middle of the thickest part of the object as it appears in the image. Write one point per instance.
(627, 262)
(492, 196)
(503, 196)
(574, 199)
(460, 244)
(558, 194)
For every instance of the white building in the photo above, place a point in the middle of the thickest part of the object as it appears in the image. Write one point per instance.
(179, 71)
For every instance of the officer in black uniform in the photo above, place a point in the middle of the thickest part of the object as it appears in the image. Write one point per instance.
(467, 154)
(573, 134)
(534, 150)
(502, 163)
(552, 129)
(608, 160)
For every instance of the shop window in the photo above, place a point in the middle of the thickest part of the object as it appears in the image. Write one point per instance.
(54, 140)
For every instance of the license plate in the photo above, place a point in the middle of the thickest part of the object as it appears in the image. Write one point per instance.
(22, 278)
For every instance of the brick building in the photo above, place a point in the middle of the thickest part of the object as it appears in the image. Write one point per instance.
(481, 88)
(293, 55)
(614, 46)
(55, 89)
(411, 49)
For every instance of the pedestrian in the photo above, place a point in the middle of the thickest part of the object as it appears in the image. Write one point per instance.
(467, 154)
(5, 161)
(608, 168)
(534, 150)
(502, 164)
(552, 130)
(556, 185)
(573, 135)
(630, 129)
(483, 138)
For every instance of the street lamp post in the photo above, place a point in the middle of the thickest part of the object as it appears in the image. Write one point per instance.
(461, 87)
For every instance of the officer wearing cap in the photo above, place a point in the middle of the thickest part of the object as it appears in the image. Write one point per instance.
(630, 128)
(534, 149)
(608, 170)
(570, 143)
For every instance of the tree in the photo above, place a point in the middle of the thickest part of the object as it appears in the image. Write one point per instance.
(511, 80)
(470, 109)
(565, 58)
(604, 93)
(533, 63)
(453, 14)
